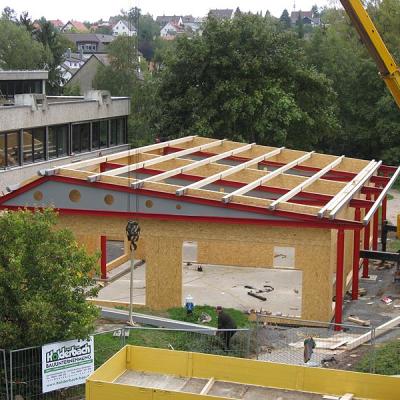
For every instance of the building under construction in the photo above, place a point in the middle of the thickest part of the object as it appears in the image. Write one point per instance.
(245, 205)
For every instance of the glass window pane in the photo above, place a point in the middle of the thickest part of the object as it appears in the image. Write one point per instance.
(103, 133)
(52, 142)
(58, 141)
(2, 150)
(113, 136)
(96, 135)
(80, 137)
(62, 140)
(27, 146)
(76, 142)
(38, 144)
(12, 149)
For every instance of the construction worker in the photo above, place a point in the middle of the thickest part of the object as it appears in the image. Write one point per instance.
(225, 321)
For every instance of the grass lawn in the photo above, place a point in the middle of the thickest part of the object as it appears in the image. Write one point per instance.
(387, 359)
(106, 344)
(394, 245)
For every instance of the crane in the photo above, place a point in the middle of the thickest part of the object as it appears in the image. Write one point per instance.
(387, 66)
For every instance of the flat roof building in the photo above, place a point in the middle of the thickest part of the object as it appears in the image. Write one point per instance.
(39, 131)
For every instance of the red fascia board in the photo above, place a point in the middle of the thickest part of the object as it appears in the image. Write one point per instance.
(23, 189)
(165, 217)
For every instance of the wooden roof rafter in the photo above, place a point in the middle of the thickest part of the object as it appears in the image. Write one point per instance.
(116, 156)
(232, 170)
(194, 165)
(299, 188)
(252, 185)
(133, 167)
(350, 190)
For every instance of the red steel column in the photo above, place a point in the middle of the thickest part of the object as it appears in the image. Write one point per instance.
(375, 231)
(366, 244)
(356, 258)
(103, 262)
(339, 279)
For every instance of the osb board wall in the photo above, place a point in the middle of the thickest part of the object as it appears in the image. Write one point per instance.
(248, 246)
(161, 245)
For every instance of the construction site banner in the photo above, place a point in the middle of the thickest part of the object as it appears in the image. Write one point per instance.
(66, 364)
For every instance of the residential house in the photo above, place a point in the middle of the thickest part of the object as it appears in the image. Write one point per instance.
(221, 13)
(90, 42)
(172, 29)
(58, 24)
(74, 26)
(84, 76)
(72, 63)
(123, 27)
(165, 19)
(306, 17)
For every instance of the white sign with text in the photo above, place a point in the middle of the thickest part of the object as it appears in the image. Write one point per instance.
(66, 364)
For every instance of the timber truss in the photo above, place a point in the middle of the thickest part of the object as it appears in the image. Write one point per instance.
(279, 182)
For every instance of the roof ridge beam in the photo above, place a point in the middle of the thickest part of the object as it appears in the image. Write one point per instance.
(346, 194)
(115, 156)
(157, 160)
(220, 175)
(252, 185)
(194, 165)
(299, 188)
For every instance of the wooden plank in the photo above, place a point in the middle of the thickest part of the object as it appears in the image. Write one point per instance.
(115, 156)
(252, 185)
(347, 396)
(207, 387)
(380, 330)
(143, 164)
(345, 195)
(293, 192)
(229, 171)
(194, 165)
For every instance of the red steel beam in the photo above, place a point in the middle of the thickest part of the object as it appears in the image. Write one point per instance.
(339, 280)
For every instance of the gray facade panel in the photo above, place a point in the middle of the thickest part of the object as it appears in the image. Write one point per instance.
(57, 194)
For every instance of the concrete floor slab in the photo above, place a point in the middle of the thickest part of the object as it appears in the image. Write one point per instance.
(219, 388)
(222, 285)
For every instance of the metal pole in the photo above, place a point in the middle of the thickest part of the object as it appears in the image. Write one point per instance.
(130, 322)
(132, 233)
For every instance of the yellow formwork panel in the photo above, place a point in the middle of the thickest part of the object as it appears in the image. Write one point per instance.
(100, 384)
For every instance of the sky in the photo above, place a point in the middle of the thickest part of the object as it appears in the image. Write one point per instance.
(93, 10)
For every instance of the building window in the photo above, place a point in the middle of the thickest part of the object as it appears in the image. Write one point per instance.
(58, 141)
(117, 135)
(99, 134)
(80, 137)
(33, 147)
(9, 149)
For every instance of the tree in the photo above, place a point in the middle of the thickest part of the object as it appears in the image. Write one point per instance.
(26, 21)
(18, 50)
(44, 281)
(55, 46)
(315, 11)
(9, 14)
(285, 20)
(120, 76)
(149, 30)
(244, 79)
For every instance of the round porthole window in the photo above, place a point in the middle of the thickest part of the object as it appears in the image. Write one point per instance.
(148, 204)
(38, 196)
(109, 199)
(178, 207)
(74, 195)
